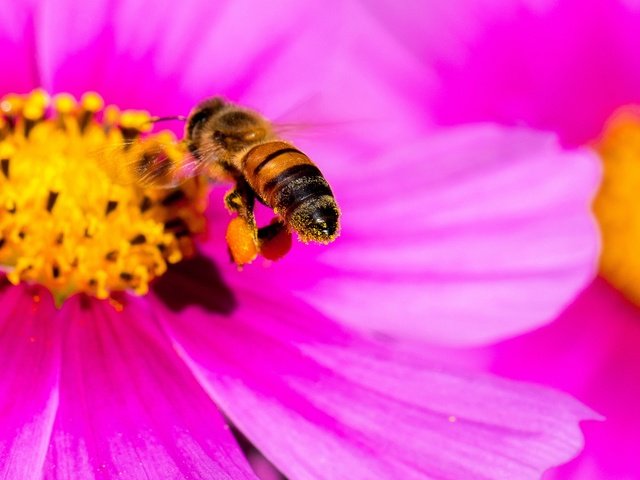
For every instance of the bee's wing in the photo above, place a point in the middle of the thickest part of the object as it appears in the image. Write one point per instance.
(114, 160)
(311, 117)
(304, 129)
(148, 163)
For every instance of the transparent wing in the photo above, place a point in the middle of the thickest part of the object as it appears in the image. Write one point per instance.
(309, 129)
(158, 162)
(309, 118)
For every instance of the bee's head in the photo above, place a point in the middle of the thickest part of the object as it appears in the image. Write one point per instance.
(201, 115)
(215, 124)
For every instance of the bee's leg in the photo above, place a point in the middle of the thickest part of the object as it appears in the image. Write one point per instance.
(242, 233)
(241, 200)
(271, 231)
(244, 238)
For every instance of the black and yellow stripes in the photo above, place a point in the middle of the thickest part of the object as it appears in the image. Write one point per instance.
(289, 182)
(238, 144)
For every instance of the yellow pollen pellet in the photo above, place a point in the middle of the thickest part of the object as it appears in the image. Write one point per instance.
(68, 220)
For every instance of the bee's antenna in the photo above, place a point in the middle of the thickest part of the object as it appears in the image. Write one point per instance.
(180, 118)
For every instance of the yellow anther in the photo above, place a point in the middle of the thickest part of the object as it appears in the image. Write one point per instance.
(66, 223)
(12, 104)
(39, 97)
(128, 119)
(64, 103)
(142, 276)
(175, 256)
(92, 102)
(35, 105)
(111, 115)
(7, 150)
(101, 284)
(136, 120)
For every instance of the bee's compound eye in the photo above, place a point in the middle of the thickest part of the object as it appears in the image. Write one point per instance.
(197, 121)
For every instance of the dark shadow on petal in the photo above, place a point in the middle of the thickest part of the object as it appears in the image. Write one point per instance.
(4, 283)
(195, 283)
(255, 457)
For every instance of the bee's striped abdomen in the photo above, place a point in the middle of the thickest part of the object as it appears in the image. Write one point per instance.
(289, 182)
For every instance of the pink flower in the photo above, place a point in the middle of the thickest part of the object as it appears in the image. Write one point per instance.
(462, 236)
(556, 65)
(563, 66)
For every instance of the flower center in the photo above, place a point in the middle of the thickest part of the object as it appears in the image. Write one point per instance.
(616, 205)
(65, 221)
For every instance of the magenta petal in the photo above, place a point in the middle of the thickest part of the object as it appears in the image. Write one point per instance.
(263, 468)
(353, 90)
(321, 403)
(103, 46)
(129, 408)
(169, 61)
(592, 352)
(30, 356)
(564, 65)
(17, 48)
(468, 236)
(249, 51)
(172, 59)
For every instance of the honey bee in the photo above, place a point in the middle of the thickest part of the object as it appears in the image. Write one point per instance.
(234, 143)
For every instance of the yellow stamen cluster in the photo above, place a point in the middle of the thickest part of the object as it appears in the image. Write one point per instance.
(72, 217)
(617, 205)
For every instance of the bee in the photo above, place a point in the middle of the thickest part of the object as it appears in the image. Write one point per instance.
(238, 144)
